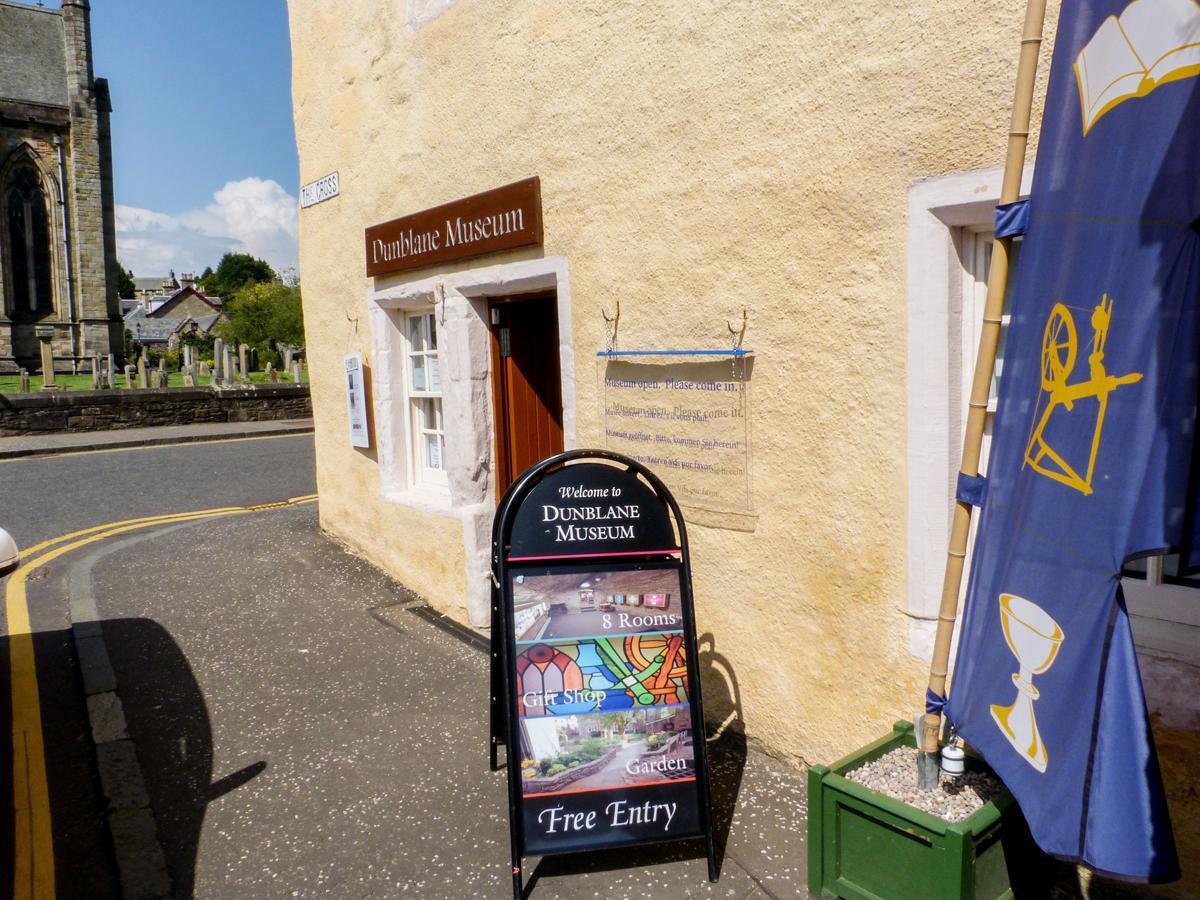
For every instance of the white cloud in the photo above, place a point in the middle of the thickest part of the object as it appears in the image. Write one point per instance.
(254, 215)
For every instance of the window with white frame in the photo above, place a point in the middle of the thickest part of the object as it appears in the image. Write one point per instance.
(425, 399)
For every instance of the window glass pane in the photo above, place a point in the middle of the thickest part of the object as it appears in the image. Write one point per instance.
(1171, 572)
(418, 373)
(432, 332)
(435, 374)
(1135, 569)
(433, 451)
(414, 334)
(1014, 255)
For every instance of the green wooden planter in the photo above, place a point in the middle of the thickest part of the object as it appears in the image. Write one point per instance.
(865, 846)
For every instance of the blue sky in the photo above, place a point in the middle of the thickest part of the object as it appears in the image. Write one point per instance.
(204, 152)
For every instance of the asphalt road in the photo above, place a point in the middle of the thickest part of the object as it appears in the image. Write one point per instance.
(45, 497)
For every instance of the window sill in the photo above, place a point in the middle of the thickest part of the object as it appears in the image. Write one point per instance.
(430, 498)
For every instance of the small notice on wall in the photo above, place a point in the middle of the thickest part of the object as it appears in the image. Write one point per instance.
(356, 401)
(685, 417)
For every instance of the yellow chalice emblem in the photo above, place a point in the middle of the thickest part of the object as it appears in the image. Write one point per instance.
(1034, 639)
(1059, 348)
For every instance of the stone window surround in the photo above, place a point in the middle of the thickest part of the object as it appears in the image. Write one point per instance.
(940, 210)
(460, 302)
(25, 155)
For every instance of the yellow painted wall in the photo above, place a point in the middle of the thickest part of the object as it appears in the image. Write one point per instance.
(696, 158)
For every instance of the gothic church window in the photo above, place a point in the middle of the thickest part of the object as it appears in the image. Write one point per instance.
(28, 243)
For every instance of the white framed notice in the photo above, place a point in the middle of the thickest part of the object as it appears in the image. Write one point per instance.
(356, 401)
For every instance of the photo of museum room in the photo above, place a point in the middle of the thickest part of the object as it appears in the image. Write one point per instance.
(586, 604)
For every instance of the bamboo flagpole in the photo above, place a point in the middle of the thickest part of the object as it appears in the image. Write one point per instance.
(985, 361)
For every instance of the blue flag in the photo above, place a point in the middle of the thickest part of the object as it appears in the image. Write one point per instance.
(1091, 460)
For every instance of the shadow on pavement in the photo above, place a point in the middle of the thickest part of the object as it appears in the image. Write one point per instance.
(169, 723)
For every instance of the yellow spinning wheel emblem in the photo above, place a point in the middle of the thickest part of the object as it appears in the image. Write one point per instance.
(1060, 347)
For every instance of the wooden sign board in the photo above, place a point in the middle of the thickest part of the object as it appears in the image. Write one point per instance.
(595, 681)
(499, 219)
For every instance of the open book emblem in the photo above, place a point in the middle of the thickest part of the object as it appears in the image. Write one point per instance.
(1059, 348)
(1151, 43)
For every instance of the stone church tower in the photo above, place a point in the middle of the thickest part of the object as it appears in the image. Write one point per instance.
(58, 244)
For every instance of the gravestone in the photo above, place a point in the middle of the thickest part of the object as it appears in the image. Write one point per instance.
(287, 360)
(226, 366)
(189, 377)
(253, 360)
(129, 372)
(156, 378)
(97, 374)
(296, 372)
(187, 356)
(112, 371)
(218, 373)
(24, 386)
(205, 372)
(45, 334)
(142, 379)
(243, 359)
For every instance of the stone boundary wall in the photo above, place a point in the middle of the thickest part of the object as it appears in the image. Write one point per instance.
(71, 411)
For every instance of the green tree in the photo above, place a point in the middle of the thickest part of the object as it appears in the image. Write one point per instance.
(263, 313)
(235, 271)
(125, 286)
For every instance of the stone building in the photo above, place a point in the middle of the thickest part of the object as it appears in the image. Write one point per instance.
(823, 176)
(57, 224)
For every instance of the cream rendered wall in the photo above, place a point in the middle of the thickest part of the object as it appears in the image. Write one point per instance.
(696, 158)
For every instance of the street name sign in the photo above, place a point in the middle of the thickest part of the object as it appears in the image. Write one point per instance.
(320, 190)
(595, 681)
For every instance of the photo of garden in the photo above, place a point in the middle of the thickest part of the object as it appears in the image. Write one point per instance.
(586, 604)
(572, 754)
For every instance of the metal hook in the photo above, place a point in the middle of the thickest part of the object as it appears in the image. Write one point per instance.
(439, 297)
(613, 323)
(740, 335)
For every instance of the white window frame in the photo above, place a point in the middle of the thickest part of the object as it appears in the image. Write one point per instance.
(420, 472)
(947, 217)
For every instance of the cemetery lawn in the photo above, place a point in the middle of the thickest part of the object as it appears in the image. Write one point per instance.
(10, 384)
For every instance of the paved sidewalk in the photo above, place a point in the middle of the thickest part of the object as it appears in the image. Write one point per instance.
(79, 442)
(308, 729)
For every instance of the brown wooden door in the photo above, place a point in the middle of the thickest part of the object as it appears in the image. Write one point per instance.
(526, 384)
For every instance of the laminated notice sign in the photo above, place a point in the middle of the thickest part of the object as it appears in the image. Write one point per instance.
(356, 401)
(685, 417)
(595, 655)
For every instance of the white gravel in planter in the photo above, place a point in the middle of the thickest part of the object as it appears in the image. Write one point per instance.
(895, 775)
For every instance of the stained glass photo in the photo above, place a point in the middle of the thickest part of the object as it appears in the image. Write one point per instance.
(600, 751)
(561, 678)
(592, 604)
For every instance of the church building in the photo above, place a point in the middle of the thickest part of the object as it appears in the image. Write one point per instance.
(57, 222)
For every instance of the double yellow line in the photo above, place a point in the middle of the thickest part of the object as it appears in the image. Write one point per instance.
(33, 862)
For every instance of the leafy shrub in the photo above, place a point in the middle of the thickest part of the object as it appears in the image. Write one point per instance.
(556, 769)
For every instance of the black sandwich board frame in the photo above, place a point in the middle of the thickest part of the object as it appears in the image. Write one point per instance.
(662, 520)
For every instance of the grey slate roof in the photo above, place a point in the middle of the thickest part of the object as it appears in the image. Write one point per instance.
(149, 329)
(32, 55)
